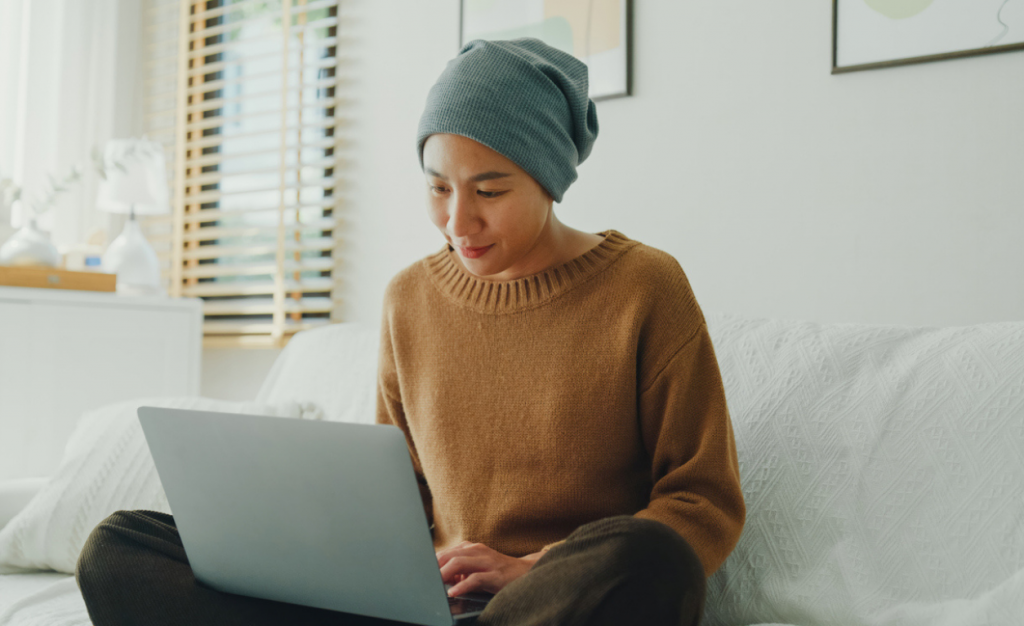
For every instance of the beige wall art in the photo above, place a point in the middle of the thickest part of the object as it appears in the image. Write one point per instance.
(868, 34)
(597, 32)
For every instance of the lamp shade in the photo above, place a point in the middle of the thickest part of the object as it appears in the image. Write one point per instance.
(136, 178)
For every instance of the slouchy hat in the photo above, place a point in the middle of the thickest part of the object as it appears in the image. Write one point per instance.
(523, 99)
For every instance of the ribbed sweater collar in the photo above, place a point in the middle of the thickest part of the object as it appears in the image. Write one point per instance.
(520, 294)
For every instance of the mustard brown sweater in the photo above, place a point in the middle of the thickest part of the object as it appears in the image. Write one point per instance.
(533, 406)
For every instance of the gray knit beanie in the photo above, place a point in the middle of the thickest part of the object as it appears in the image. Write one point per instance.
(523, 99)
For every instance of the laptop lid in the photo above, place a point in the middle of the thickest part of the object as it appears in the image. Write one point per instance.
(323, 514)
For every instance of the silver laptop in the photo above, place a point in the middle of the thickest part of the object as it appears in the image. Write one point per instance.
(322, 514)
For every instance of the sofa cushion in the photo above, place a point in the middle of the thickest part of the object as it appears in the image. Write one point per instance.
(334, 366)
(882, 469)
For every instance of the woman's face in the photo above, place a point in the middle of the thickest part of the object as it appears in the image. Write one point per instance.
(477, 197)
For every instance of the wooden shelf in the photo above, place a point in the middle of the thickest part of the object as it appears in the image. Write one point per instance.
(55, 278)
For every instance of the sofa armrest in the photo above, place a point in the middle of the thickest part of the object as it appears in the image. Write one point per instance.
(15, 494)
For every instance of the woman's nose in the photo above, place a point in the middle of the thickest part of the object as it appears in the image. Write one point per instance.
(462, 218)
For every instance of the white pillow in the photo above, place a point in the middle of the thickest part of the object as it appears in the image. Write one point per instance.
(106, 467)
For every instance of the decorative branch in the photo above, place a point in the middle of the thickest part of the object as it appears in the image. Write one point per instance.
(53, 188)
(9, 191)
(101, 166)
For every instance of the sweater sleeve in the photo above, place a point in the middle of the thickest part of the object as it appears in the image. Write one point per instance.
(688, 434)
(390, 411)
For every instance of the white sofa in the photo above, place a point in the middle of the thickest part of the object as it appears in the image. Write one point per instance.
(883, 468)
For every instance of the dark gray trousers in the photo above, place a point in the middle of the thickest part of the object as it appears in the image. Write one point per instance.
(616, 571)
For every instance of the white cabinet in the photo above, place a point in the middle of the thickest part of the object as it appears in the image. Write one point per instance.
(63, 352)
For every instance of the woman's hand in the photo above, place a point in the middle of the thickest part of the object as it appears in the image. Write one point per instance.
(475, 567)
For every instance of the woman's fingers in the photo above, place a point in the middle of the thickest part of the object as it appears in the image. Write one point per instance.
(465, 565)
(470, 567)
(445, 555)
(480, 581)
(441, 553)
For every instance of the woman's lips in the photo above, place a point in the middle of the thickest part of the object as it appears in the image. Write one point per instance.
(474, 253)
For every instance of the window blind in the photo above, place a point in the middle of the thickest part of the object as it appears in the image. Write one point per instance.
(242, 94)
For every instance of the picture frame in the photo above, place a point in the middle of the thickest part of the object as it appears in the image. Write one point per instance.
(574, 26)
(870, 34)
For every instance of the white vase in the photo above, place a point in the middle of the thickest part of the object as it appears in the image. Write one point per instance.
(29, 246)
(135, 262)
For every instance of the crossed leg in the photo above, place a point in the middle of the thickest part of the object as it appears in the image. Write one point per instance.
(615, 571)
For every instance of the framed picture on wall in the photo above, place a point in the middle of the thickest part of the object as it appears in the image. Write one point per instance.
(868, 34)
(597, 32)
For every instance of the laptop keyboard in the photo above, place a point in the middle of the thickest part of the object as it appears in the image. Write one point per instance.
(459, 606)
(470, 603)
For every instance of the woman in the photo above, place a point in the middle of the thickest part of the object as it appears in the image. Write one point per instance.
(558, 389)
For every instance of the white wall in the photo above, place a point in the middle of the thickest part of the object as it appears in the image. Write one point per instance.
(235, 374)
(891, 196)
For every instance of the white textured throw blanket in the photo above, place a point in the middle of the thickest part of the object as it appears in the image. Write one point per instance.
(883, 468)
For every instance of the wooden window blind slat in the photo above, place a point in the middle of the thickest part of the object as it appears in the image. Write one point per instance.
(212, 196)
(262, 108)
(293, 169)
(213, 159)
(217, 85)
(302, 217)
(258, 305)
(207, 141)
(214, 252)
(212, 270)
(215, 232)
(210, 215)
(254, 287)
(237, 119)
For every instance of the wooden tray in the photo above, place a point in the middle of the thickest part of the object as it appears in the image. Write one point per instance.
(54, 278)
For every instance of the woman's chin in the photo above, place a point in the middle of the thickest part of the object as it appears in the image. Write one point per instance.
(482, 270)
(476, 270)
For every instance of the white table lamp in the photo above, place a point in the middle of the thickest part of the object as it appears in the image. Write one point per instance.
(135, 183)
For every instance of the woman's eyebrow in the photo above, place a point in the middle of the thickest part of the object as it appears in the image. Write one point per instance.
(485, 176)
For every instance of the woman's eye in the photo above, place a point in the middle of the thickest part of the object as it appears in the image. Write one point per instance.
(486, 194)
